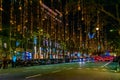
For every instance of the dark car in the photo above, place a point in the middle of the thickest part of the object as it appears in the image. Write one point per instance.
(116, 59)
(115, 64)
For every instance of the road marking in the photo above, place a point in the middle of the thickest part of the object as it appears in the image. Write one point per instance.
(88, 68)
(28, 70)
(56, 71)
(69, 68)
(104, 69)
(64, 67)
(106, 64)
(79, 68)
(33, 76)
(95, 68)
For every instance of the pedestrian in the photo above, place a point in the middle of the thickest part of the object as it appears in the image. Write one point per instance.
(118, 65)
(14, 59)
(0, 64)
(4, 63)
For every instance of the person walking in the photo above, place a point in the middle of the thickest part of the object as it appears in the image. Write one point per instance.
(14, 59)
(118, 64)
(5, 63)
(0, 64)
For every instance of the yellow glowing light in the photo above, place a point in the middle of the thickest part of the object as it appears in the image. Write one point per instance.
(66, 24)
(66, 12)
(1, 9)
(18, 28)
(52, 27)
(97, 28)
(82, 18)
(43, 19)
(0, 28)
(26, 20)
(41, 30)
(79, 8)
(11, 22)
(40, 1)
(20, 8)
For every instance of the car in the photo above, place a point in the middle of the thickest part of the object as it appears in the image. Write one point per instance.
(98, 58)
(114, 64)
(108, 58)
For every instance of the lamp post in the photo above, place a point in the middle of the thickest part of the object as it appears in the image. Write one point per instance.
(97, 29)
(97, 32)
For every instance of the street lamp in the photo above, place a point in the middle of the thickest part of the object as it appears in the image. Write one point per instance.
(97, 29)
(97, 32)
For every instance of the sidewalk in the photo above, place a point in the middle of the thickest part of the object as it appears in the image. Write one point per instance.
(11, 69)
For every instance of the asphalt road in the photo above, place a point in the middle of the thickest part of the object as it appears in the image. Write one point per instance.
(64, 71)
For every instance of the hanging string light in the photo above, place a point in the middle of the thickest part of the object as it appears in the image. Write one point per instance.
(11, 13)
(78, 25)
(82, 6)
(31, 18)
(24, 18)
(79, 7)
(19, 27)
(1, 9)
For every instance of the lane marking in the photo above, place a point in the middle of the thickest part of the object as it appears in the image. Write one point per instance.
(64, 67)
(28, 70)
(56, 71)
(79, 68)
(33, 76)
(95, 68)
(106, 64)
(88, 68)
(104, 69)
(69, 68)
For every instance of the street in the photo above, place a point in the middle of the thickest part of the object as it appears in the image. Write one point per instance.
(64, 71)
(59, 39)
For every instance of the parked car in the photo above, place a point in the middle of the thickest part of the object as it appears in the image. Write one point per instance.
(115, 64)
(98, 58)
(108, 58)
